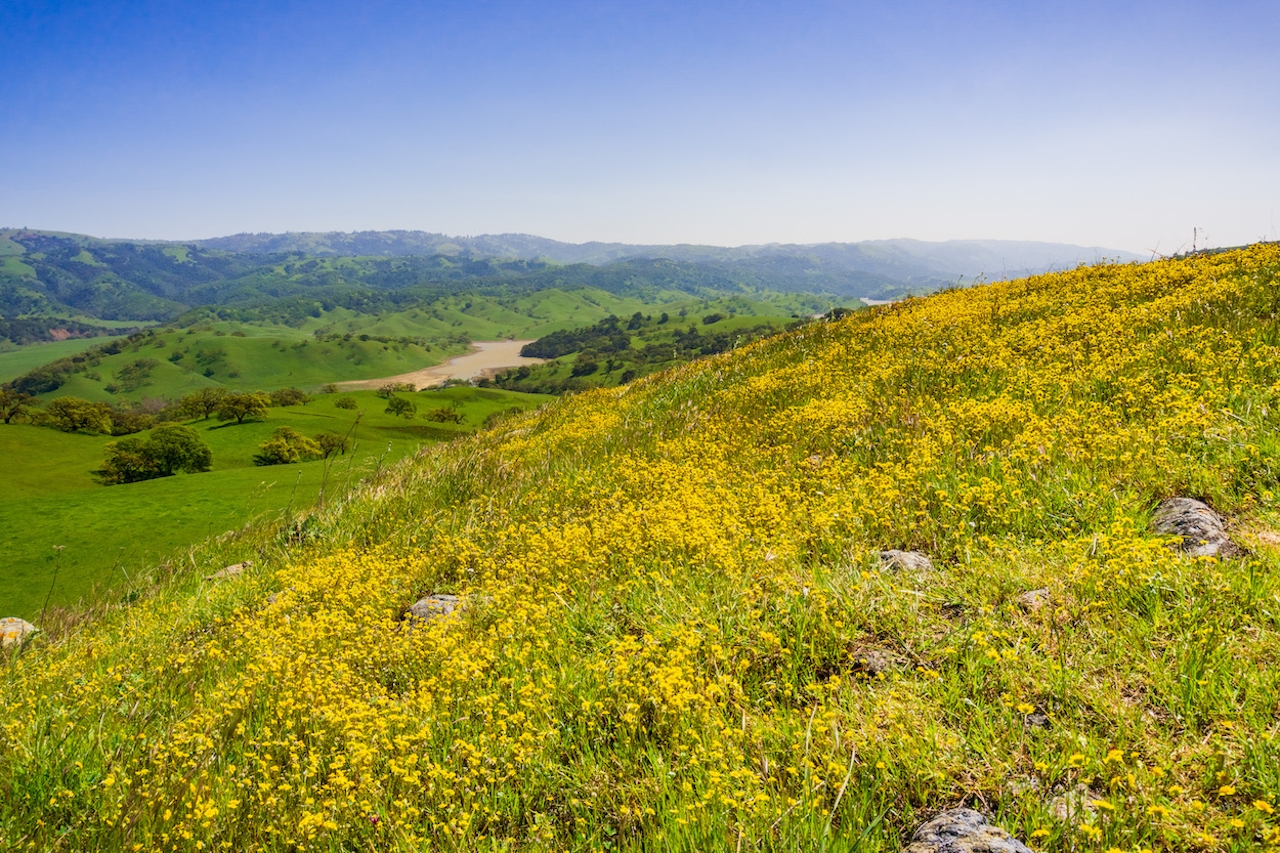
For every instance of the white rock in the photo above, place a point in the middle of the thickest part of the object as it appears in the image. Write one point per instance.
(14, 630)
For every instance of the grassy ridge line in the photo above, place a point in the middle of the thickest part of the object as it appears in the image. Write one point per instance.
(672, 602)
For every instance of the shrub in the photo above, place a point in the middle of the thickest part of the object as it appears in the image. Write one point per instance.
(72, 414)
(386, 391)
(401, 406)
(237, 407)
(289, 397)
(444, 414)
(495, 418)
(286, 446)
(331, 443)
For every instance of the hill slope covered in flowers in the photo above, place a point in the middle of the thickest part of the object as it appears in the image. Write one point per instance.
(676, 634)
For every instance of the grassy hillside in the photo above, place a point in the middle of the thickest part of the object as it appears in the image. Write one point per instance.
(676, 633)
(57, 519)
(19, 360)
(238, 349)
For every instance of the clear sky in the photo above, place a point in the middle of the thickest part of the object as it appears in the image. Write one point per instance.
(1121, 124)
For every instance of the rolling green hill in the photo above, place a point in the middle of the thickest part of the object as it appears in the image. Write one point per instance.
(678, 614)
(238, 349)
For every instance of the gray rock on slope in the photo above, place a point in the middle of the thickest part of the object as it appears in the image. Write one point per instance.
(229, 571)
(963, 831)
(911, 561)
(1033, 600)
(1203, 531)
(434, 606)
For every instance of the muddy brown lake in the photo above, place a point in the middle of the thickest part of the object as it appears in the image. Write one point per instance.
(486, 358)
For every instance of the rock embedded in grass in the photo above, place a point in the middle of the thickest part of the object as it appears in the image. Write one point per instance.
(1033, 600)
(229, 571)
(14, 630)
(911, 561)
(872, 662)
(1203, 532)
(1036, 720)
(1074, 805)
(963, 831)
(433, 606)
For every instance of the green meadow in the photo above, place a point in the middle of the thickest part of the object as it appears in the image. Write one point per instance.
(19, 359)
(57, 519)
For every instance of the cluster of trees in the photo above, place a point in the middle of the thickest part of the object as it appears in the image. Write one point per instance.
(73, 414)
(606, 336)
(348, 337)
(609, 354)
(172, 447)
(169, 449)
(133, 375)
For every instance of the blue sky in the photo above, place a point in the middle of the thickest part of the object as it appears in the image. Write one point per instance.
(1117, 124)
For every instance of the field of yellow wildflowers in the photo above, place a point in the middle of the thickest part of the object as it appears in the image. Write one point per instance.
(675, 631)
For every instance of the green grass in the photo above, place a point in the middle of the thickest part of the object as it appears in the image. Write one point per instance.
(40, 462)
(494, 318)
(259, 358)
(14, 265)
(109, 532)
(8, 246)
(19, 360)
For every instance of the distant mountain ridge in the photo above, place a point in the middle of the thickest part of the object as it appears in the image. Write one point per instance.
(47, 274)
(900, 259)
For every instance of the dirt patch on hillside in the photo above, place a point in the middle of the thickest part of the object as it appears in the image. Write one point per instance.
(486, 359)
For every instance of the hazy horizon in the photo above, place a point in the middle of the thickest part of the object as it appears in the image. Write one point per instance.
(456, 236)
(1088, 123)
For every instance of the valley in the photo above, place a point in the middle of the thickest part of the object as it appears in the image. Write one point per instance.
(485, 359)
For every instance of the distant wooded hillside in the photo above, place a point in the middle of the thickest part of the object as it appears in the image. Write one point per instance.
(71, 283)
